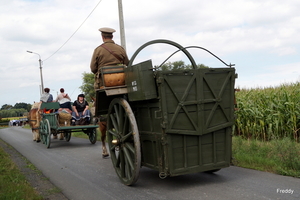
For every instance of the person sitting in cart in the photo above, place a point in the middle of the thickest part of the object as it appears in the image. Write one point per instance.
(107, 54)
(64, 99)
(46, 96)
(81, 113)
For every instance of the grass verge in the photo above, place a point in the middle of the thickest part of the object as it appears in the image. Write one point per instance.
(13, 184)
(280, 156)
(20, 179)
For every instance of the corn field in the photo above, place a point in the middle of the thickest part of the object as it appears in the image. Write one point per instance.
(269, 113)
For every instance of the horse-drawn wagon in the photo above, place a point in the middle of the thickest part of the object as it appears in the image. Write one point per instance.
(176, 122)
(52, 123)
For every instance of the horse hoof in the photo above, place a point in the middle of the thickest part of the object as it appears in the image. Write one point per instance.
(104, 155)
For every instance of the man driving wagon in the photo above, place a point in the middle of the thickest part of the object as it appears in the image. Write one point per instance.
(107, 54)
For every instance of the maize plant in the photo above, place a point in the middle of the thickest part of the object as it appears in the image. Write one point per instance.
(269, 113)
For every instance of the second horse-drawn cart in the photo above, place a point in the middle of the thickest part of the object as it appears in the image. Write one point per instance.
(176, 122)
(49, 125)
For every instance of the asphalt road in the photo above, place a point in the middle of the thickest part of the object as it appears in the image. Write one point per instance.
(78, 169)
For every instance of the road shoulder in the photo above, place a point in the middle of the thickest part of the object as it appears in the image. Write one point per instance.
(35, 177)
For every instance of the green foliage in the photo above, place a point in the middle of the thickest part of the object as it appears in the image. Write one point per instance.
(179, 65)
(88, 86)
(6, 107)
(26, 106)
(85, 136)
(12, 113)
(199, 66)
(269, 113)
(174, 66)
(281, 156)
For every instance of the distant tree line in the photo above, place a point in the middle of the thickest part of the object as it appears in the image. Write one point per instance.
(18, 110)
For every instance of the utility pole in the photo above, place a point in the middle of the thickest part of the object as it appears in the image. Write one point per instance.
(121, 21)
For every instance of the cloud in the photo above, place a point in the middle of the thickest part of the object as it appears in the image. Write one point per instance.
(260, 37)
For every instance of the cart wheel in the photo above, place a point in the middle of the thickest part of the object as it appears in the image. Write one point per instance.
(93, 135)
(42, 132)
(45, 132)
(67, 135)
(124, 141)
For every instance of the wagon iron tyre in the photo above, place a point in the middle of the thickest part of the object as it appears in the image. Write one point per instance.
(67, 135)
(93, 135)
(124, 141)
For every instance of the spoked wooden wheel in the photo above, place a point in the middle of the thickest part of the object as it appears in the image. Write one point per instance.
(124, 141)
(45, 132)
(93, 135)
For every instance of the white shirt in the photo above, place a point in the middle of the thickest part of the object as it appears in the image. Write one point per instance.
(63, 98)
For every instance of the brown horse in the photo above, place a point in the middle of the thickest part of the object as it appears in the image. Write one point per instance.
(102, 127)
(34, 119)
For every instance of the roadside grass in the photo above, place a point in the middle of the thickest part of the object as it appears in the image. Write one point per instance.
(281, 156)
(83, 135)
(13, 184)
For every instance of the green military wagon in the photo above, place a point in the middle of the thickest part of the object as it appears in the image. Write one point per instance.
(176, 122)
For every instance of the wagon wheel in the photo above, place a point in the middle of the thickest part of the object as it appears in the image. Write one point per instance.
(67, 135)
(42, 131)
(45, 132)
(124, 141)
(93, 135)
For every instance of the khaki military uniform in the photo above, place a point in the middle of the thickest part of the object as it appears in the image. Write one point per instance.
(102, 57)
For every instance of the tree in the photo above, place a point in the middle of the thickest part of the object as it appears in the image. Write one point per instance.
(199, 66)
(179, 65)
(26, 106)
(12, 113)
(6, 107)
(88, 86)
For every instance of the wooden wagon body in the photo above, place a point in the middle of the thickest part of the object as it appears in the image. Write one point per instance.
(176, 122)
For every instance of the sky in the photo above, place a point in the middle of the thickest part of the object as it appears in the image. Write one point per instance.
(261, 37)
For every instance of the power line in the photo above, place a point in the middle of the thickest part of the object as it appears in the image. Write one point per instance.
(74, 32)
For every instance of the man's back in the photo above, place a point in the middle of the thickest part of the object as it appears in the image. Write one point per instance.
(103, 57)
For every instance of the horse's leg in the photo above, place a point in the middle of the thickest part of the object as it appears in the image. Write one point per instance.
(102, 127)
(33, 134)
(36, 135)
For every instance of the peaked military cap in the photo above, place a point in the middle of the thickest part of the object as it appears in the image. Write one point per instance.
(107, 30)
